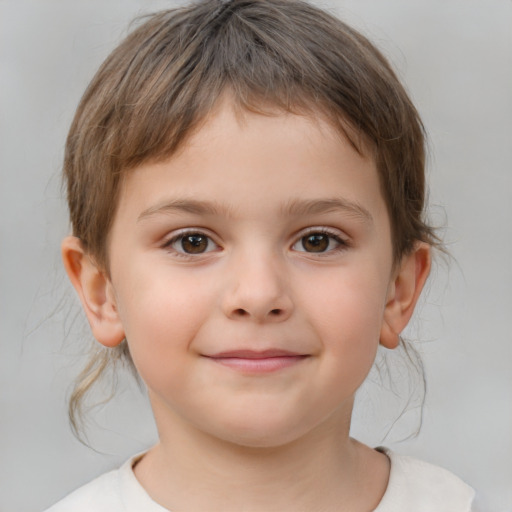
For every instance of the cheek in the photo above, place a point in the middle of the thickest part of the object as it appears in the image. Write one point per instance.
(346, 309)
(161, 317)
(349, 332)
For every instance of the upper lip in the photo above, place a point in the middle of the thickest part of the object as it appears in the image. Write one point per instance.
(255, 354)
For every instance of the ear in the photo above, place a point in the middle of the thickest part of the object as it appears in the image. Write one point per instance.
(404, 291)
(95, 292)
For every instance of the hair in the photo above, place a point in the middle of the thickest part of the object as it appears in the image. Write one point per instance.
(164, 79)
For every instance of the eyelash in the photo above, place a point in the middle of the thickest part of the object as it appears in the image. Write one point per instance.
(168, 244)
(342, 243)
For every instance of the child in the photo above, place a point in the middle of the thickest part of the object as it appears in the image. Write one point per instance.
(246, 189)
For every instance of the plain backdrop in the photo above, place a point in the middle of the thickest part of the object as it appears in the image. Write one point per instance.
(455, 57)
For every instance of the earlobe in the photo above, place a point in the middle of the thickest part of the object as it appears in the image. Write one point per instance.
(403, 294)
(95, 292)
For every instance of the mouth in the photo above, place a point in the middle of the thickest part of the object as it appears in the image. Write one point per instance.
(258, 362)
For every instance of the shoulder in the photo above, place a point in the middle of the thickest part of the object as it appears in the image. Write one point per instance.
(422, 487)
(101, 495)
(115, 491)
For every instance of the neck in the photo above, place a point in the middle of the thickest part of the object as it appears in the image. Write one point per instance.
(323, 470)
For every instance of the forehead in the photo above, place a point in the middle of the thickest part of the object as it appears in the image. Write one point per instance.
(245, 161)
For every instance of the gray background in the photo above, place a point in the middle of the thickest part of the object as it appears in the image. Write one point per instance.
(455, 57)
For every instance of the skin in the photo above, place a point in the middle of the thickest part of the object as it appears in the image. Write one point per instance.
(292, 273)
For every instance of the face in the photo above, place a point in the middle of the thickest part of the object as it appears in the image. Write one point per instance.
(251, 273)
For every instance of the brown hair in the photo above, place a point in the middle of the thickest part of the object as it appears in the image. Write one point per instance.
(167, 75)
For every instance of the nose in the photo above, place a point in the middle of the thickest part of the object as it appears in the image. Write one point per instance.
(257, 290)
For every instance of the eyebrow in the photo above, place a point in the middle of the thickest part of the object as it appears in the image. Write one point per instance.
(182, 205)
(295, 207)
(298, 207)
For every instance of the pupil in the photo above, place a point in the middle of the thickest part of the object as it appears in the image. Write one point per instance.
(194, 244)
(315, 243)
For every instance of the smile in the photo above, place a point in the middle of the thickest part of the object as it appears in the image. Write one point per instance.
(254, 362)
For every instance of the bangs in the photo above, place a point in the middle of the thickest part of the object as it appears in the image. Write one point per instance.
(170, 73)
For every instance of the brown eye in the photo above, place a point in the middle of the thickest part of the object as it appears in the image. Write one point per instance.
(195, 243)
(316, 242)
(320, 242)
(191, 243)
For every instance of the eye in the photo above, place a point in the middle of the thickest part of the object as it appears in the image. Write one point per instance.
(319, 242)
(192, 243)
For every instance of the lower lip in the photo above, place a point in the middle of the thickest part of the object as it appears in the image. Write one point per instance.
(259, 365)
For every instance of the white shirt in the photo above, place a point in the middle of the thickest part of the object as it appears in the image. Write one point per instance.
(417, 486)
(414, 486)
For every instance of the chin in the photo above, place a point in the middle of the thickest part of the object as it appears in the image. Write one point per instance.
(259, 433)
(260, 440)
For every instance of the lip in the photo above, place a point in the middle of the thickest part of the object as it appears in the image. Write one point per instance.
(258, 362)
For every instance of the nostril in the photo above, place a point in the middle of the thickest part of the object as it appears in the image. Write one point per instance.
(243, 313)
